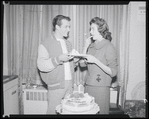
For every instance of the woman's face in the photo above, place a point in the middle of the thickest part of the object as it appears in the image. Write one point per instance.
(94, 32)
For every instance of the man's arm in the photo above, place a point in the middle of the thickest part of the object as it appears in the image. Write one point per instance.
(44, 62)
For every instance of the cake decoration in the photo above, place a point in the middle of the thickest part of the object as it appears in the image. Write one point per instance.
(78, 103)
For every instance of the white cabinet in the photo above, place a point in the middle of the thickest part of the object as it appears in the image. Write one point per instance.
(10, 95)
(114, 96)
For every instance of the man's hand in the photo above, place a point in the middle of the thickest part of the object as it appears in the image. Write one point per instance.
(65, 57)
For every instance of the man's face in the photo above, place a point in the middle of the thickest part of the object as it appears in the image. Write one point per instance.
(64, 28)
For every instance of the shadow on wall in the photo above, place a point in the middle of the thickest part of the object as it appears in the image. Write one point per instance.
(138, 92)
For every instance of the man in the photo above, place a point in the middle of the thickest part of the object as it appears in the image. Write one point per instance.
(55, 65)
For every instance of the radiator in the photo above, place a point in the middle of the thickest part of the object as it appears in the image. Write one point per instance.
(35, 100)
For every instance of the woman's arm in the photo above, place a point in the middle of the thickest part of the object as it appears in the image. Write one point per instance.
(111, 61)
(92, 59)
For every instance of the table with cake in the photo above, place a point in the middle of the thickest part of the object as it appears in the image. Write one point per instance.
(78, 103)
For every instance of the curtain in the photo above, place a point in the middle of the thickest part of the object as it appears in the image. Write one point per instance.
(124, 53)
(27, 25)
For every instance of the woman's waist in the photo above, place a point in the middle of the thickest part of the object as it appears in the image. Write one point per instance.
(98, 80)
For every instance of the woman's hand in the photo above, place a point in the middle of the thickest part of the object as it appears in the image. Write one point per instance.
(88, 41)
(91, 59)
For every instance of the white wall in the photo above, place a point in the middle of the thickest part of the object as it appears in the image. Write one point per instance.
(137, 54)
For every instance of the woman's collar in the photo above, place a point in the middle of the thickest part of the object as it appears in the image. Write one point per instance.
(100, 44)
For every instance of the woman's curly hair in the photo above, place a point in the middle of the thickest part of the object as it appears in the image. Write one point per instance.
(102, 27)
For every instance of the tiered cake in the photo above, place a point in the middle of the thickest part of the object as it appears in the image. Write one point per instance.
(78, 103)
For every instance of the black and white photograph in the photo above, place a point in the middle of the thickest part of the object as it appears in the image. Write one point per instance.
(80, 58)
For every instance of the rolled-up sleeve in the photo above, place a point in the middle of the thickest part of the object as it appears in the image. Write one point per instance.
(44, 62)
(111, 58)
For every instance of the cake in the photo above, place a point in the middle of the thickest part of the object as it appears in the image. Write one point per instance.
(78, 103)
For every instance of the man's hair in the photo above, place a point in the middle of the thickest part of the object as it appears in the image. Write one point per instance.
(57, 20)
(102, 27)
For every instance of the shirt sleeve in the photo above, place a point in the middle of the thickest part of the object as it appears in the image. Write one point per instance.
(44, 62)
(111, 59)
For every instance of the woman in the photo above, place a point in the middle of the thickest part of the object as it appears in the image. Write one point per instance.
(101, 62)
